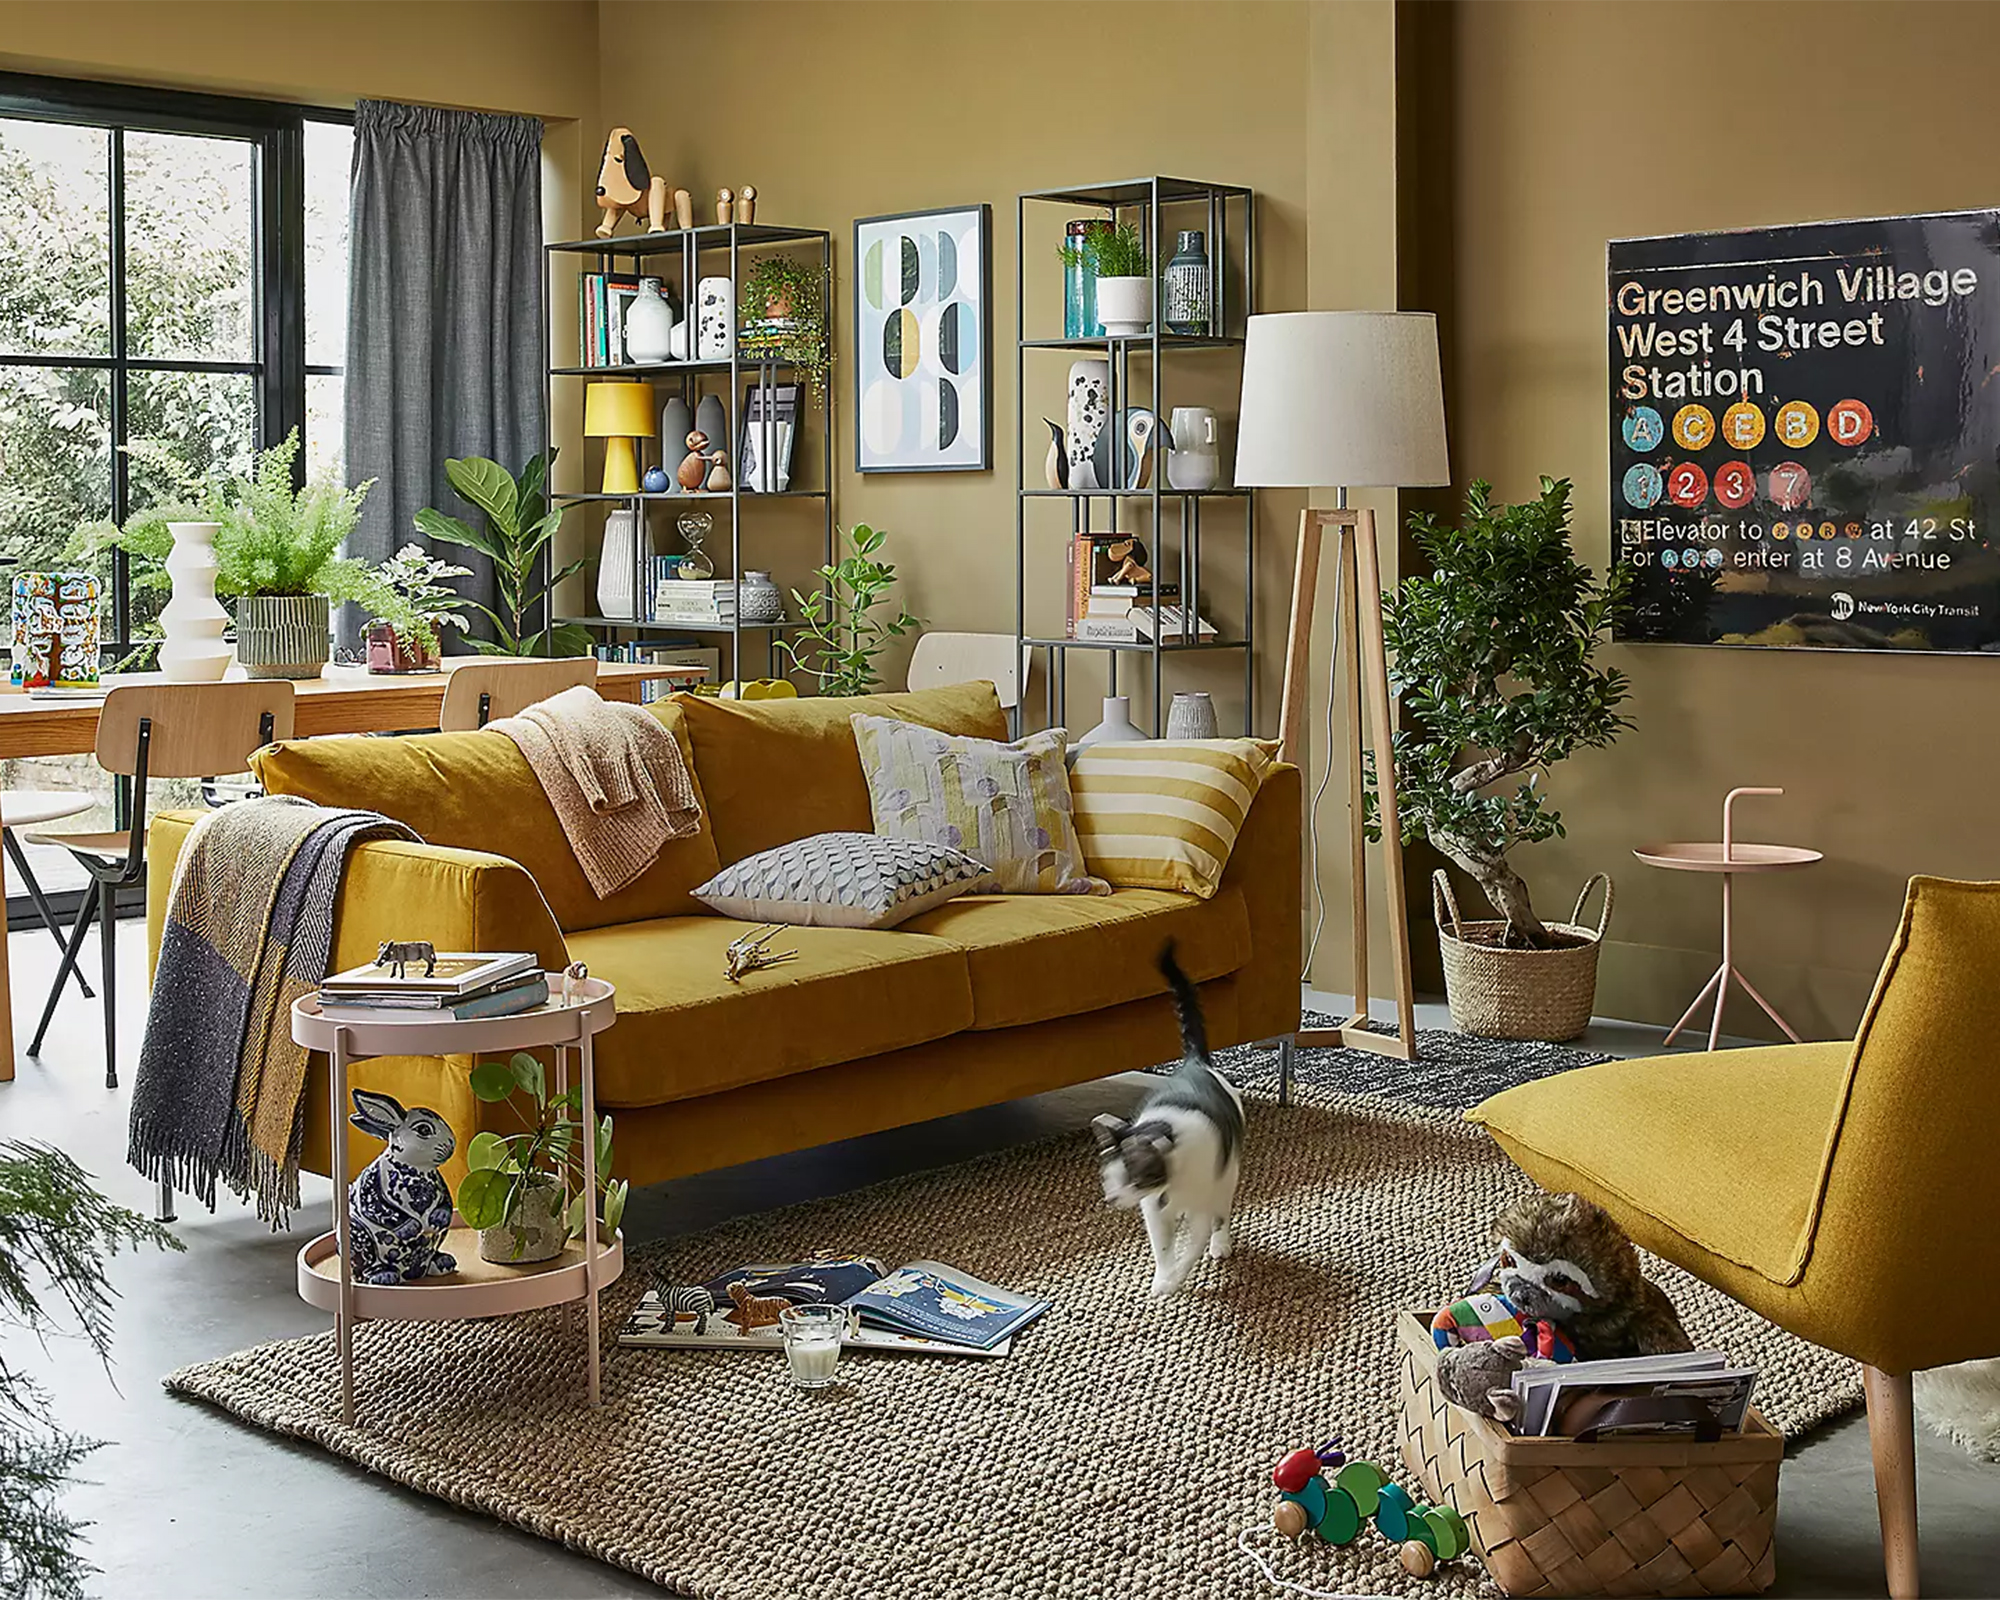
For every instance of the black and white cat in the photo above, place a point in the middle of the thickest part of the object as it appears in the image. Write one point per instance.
(1178, 1158)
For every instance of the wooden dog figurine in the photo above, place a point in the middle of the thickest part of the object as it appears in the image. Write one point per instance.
(624, 185)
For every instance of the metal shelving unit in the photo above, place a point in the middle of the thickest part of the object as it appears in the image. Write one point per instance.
(683, 257)
(1159, 206)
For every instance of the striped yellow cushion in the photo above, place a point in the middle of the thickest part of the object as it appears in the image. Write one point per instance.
(1156, 814)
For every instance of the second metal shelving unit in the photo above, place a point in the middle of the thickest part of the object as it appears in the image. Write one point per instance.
(687, 247)
(1229, 212)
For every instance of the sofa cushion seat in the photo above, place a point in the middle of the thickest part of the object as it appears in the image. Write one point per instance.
(685, 1030)
(1035, 957)
(1622, 1133)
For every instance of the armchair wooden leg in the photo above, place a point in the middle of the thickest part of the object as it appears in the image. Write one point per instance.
(1892, 1435)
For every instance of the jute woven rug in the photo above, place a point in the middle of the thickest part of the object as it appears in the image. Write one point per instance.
(1119, 1451)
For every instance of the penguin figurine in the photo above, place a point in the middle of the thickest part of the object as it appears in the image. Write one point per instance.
(1056, 467)
(1140, 426)
(718, 474)
(694, 465)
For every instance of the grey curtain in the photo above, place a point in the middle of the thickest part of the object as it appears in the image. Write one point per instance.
(445, 345)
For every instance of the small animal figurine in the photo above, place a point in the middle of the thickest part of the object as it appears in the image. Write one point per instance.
(687, 1300)
(1139, 429)
(725, 205)
(752, 951)
(1337, 1511)
(572, 981)
(1056, 467)
(397, 954)
(754, 1310)
(718, 472)
(1480, 1376)
(399, 1209)
(1128, 560)
(683, 208)
(656, 480)
(746, 203)
(625, 185)
(1564, 1260)
(693, 469)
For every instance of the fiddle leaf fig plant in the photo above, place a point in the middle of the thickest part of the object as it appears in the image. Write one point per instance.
(843, 626)
(547, 1153)
(1494, 653)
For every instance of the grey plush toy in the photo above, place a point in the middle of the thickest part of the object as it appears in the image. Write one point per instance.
(1480, 1376)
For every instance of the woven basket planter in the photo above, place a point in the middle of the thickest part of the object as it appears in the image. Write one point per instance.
(1618, 1517)
(1499, 993)
(282, 635)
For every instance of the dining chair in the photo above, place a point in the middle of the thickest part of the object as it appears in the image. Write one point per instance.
(946, 658)
(479, 691)
(1835, 1189)
(31, 808)
(148, 731)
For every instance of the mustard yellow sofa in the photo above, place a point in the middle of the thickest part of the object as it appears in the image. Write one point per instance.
(983, 1000)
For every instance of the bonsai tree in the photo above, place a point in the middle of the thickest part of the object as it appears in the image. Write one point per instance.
(840, 632)
(1494, 653)
(520, 526)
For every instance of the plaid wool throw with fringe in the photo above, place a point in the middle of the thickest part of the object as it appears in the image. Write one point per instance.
(220, 1092)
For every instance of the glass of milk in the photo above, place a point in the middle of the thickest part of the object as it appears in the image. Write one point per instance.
(812, 1342)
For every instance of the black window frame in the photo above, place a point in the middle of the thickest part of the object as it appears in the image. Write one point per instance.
(277, 364)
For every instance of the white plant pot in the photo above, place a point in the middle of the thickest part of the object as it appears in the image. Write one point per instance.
(618, 566)
(193, 650)
(1125, 306)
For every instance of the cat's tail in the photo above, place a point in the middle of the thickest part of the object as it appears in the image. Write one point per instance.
(1187, 1002)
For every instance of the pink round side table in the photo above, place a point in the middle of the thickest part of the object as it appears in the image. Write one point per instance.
(1728, 858)
(478, 1288)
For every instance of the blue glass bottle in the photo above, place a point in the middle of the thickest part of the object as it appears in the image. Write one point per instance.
(1080, 286)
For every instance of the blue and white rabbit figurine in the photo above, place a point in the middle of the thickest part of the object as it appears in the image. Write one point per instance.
(399, 1209)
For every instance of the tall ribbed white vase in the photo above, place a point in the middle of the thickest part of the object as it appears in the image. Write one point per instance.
(193, 650)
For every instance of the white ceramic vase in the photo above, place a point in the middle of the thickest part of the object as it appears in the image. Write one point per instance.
(1191, 716)
(1125, 306)
(1194, 452)
(1089, 396)
(1117, 726)
(649, 325)
(617, 566)
(193, 650)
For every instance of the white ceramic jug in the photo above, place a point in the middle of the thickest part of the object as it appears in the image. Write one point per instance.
(1195, 460)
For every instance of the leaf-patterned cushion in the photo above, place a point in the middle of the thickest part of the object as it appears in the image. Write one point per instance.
(841, 880)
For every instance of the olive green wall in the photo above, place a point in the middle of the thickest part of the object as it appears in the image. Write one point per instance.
(1582, 123)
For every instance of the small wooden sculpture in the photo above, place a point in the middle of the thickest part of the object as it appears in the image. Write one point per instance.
(1129, 562)
(693, 470)
(756, 1310)
(683, 209)
(718, 472)
(747, 954)
(624, 185)
(746, 203)
(725, 205)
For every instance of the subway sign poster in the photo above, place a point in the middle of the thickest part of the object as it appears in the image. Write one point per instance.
(1805, 434)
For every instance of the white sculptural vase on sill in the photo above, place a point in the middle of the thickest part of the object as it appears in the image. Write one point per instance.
(193, 621)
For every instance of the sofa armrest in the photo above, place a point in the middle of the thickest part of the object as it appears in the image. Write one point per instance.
(1267, 865)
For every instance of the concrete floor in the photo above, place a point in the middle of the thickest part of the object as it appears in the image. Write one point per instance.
(189, 1503)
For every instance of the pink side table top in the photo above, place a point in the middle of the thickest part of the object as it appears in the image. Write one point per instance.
(1713, 857)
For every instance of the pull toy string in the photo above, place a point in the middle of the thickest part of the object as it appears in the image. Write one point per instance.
(1271, 1577)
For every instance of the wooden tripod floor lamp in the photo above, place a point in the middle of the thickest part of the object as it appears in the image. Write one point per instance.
(1353, 399)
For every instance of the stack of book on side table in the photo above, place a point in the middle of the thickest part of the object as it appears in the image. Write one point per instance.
(459, 983)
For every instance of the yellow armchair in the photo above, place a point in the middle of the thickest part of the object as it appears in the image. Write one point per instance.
(1833, 1188)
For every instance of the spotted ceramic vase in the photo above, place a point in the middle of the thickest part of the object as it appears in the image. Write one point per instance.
(1089, 398)
(282, 635)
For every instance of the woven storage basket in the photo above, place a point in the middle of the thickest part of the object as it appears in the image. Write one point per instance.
(1518, 994)
(1618, 1517)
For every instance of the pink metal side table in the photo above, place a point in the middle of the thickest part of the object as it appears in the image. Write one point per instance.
(1728, 858)
(478, 1288)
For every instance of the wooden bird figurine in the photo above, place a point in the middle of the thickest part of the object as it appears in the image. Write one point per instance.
(718, 473)
(725, 204)
(683, 208)
(1056, 467)
(694, 465)
(746, 203)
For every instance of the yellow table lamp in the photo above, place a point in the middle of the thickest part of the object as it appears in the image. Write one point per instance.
(618, 413)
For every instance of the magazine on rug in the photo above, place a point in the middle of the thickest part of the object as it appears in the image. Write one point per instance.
(738, 1309)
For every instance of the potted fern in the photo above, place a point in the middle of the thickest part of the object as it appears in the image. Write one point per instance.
(843, 627)
(1495, 666)
(1116, 253)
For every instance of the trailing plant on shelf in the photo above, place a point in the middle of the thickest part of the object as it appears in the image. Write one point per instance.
(56, 1233)
(416, 578)
(520, 526)
(1494, 661)
(844, 625)
(516, 1181)
(783, 308)
(1109, 249)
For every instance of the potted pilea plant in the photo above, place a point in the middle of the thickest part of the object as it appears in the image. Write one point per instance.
(841, 629)
(524, 1191)
(414, 641)
(1495, 665)
(1116, 253)
(783, 310)
(520, 525)
(277, 552)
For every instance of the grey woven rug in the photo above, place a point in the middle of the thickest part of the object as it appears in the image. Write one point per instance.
(1120, 1450)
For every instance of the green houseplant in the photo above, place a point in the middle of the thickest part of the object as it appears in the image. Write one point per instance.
(844, 625)
(1116, 253)
(783, 308)
(520, 527)
(277, 551)
(1495, 665)
(56, 1233)
(514, 1189)
(414, 641)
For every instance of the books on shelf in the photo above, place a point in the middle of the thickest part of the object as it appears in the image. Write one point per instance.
(925, 1308)
(1173, 624)
(663, 655)
(462, 983)
(602, 300)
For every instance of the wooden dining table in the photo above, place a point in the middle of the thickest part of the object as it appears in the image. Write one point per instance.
(340, 700)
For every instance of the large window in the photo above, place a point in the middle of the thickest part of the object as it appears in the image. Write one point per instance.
(172, 267)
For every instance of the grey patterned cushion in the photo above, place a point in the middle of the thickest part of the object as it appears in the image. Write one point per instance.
(841, 880)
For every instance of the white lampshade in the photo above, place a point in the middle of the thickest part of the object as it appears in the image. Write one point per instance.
(1341, 398)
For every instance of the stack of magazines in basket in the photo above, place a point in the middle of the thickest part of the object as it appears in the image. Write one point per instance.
(924, 1307)
(420, 982)
(1694, 1392)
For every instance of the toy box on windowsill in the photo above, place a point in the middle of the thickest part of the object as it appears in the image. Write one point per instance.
(1556, 1516)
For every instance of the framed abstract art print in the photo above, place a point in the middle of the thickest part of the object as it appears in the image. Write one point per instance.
(923, 367)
